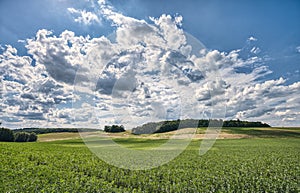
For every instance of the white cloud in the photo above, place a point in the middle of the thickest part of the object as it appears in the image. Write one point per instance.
(251, 38)
(84, 17)
(174, 36)
(28, 92)
(147, 74)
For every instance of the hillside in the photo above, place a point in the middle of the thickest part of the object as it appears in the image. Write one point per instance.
(200, 133)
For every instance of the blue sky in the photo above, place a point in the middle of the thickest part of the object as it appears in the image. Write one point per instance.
(222, 25)
(225, 26)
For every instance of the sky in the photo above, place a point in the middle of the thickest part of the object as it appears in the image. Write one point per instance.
(88, 63)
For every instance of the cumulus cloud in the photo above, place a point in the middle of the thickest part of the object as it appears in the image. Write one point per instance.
(27, 90)
(149, 71)
(84, 17)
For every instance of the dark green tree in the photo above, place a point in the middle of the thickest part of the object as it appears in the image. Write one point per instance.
(32, 137)
(21, 137)
(6, 134)
(114, 128)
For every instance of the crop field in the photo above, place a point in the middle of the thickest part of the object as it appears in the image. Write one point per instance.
(260, 164)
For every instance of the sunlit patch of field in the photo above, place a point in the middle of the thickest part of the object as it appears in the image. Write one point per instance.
(57, 136)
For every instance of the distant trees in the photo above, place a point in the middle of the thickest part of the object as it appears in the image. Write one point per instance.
(32, 137)
(21, 137)
(239, 123)
(52, 130)
(6, 134)
(25, 137)
(166, 126)
(9, 136)
(114, 128)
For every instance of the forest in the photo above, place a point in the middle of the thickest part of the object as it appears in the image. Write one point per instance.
(166, 126)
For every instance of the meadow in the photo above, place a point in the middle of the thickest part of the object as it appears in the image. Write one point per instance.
(256, 164)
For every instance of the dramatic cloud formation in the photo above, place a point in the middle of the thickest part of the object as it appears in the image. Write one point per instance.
(28, 92)
(146, 71)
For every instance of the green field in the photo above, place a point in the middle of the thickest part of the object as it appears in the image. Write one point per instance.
(259, 164)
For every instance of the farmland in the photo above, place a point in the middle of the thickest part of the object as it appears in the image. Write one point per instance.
(265, 161)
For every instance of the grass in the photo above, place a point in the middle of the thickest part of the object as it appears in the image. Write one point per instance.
(233, 165)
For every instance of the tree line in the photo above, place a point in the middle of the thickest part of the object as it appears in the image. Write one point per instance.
(114, 128)
(10, 136)
(166, 126)
(52, 130)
